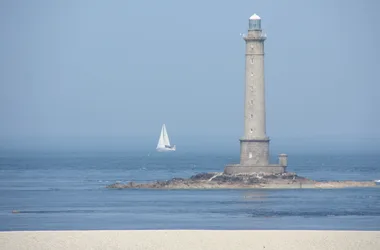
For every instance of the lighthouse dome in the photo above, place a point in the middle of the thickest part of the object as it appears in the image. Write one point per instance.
(255, 17)
(254, 22)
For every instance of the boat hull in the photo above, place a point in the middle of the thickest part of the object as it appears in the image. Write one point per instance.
(166, 149)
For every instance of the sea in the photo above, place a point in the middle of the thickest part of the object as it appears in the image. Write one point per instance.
(67, 191)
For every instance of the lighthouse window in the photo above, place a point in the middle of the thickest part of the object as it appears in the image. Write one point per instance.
(251, 73)
(251, 131)
(251, 115)
(251, 60)
(250, 155)
(251, 102)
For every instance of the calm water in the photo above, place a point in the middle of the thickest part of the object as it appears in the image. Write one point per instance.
(66, 191)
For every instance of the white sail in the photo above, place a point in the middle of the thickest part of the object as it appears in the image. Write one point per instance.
(161, 140)
(166, 137)
(163, 144)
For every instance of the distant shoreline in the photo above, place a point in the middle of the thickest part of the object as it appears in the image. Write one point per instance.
(256, 181)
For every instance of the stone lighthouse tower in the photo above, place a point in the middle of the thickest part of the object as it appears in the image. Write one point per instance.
(254, 145)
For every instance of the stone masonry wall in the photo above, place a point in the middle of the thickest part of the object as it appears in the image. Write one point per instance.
(254, 153)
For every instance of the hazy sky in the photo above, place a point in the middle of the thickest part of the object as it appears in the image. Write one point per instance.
(110, 69)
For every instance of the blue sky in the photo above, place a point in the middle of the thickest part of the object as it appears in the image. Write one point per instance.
(119, 69)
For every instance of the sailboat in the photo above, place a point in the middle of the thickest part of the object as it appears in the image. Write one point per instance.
(164, 142)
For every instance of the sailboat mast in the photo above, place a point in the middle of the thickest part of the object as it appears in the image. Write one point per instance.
(166, 137)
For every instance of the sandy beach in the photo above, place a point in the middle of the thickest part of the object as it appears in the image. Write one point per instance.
(189, 239)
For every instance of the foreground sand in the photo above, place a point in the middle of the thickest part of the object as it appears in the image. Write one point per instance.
(190, 239)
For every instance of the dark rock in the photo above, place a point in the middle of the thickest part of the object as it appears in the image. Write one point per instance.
(202, 176)
(271, 176)
(255, 181)
(228, 178)
(159, 184)
(131, 184)
(116, 185)
(289, 176)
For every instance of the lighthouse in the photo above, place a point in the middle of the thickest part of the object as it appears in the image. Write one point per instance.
(254, 145)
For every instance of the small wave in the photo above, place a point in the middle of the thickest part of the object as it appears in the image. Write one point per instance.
(51, 211)
(313, 214)
(95, 180)
(101, 181)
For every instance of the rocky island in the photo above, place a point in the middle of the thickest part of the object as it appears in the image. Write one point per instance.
(241, 181)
